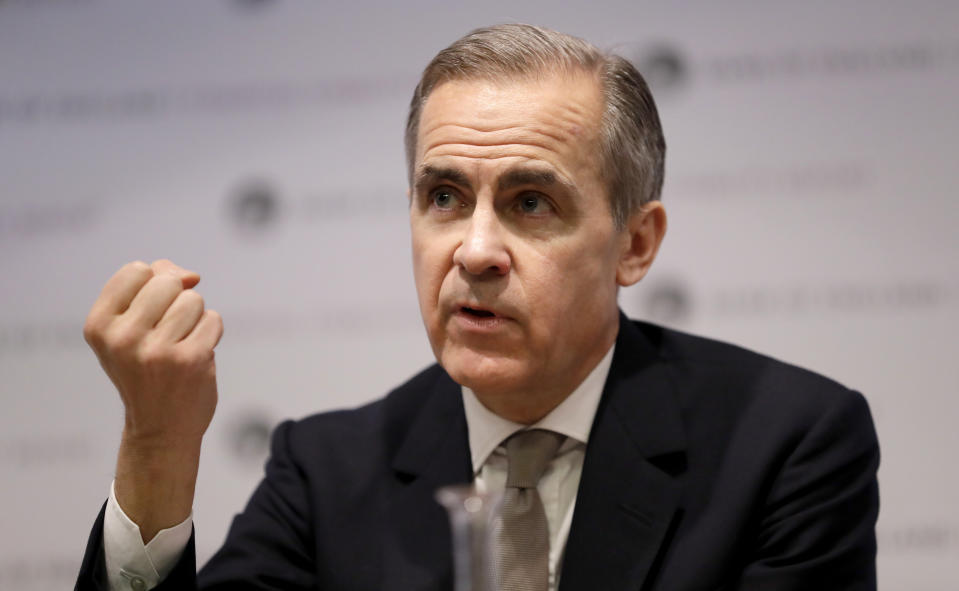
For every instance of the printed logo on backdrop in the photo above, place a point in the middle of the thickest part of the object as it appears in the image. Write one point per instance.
(667, 301)
(212, 99)
(668, 70)
(28, 338)
(254, 206)
(843, 62)
(25, 220)
(918, 538)
(248, 437)
(670, 300)
(46, 450)
(253, 4)
(839, 179)
(839, 297)
(664, 67)
(72, 106)
(25, 4)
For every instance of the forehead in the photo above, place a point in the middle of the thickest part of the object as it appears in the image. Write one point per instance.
(553, 118)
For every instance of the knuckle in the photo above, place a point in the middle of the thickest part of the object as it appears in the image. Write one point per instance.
(191, 357)
(122, 338)
(152, 355)
(164, 283)
(165, 279)
(92, 331)
(191, 298)
(164, 266)
(137, 268)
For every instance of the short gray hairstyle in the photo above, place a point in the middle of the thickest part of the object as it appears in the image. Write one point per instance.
(632, 147)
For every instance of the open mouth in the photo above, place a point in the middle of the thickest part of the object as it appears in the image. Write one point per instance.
(477, 313)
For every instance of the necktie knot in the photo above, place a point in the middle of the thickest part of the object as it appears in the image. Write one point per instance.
(528, 453)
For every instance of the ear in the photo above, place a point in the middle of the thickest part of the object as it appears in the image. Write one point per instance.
(642, 236)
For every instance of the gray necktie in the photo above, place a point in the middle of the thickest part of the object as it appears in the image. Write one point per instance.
(522, 553)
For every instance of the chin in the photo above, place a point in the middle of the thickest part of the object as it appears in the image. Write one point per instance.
(482, 372)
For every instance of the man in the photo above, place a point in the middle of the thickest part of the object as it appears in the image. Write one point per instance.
(679, 463)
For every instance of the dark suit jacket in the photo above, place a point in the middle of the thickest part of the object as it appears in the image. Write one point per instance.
(708, 467)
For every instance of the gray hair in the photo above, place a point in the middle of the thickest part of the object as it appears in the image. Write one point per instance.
(632, 148)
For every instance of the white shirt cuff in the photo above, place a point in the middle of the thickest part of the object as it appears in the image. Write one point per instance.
(131, 565)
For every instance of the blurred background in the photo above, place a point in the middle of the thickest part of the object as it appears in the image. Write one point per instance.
(811, 185)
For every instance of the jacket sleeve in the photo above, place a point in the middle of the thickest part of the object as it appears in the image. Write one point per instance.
(818, 524)
(269, 545)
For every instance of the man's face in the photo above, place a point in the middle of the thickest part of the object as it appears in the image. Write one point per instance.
(515, 251)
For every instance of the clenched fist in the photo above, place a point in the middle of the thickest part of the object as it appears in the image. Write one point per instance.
(155, 340)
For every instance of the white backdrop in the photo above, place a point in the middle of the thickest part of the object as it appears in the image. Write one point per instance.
(811, 185)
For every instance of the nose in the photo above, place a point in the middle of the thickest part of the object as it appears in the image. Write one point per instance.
(482, 250)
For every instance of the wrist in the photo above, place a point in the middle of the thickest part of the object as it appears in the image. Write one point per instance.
(162, 442)
(155, 484)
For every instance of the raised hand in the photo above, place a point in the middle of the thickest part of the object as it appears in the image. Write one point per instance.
(155, 341)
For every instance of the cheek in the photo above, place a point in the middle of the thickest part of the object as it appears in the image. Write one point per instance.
(424, 275)
(573, 278)
(430, 267)
(547, 287)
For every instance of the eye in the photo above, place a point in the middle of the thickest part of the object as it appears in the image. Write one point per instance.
(534, 203)
(443, 198)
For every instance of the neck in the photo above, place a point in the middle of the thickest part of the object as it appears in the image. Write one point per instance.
(531, 402)
(522, 408)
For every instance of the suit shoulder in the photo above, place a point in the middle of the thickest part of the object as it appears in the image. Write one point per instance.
(725, 369)
(724, 388)
(371, 422)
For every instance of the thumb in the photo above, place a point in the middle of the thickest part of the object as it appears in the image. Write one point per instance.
(168, 267)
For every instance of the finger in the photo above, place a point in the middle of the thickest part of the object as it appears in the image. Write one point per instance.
(119, 290)
(207, 332)
(168, 267)
(152, 301)
(180, 318)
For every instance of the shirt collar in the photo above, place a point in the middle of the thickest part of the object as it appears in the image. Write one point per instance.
(572, 418)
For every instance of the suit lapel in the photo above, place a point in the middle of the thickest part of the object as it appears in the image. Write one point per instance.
(434, 453)
(629, 491)
(628, 494)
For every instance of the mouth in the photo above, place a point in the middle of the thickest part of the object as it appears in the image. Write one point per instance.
(471, 316)
(477, 312)
(480, 316)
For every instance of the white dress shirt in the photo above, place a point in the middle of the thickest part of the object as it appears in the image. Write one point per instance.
(133, 566)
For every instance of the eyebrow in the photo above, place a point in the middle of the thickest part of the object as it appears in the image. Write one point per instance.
(518, 177)
(429, 175)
